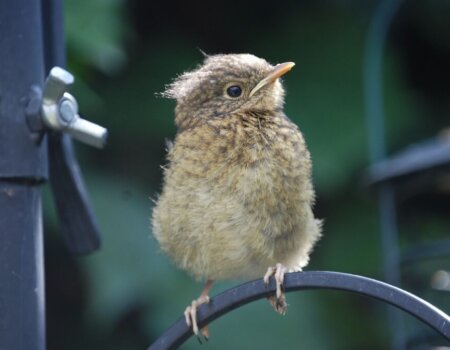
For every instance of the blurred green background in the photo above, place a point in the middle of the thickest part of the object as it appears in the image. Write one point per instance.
(123, 52)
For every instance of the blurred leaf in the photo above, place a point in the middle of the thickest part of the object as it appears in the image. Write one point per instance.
(96, 30)
(135, 106)
(129, 266)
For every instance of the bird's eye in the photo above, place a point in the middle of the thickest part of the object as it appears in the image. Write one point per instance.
(234, 91)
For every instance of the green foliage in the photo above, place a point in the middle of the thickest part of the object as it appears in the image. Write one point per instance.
(96, 31)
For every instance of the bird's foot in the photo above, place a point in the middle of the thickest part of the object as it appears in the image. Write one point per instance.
(278, 300)
(190, 314)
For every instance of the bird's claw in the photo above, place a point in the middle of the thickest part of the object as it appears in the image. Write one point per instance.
(278, 302)
(269, 273)
(190, 315)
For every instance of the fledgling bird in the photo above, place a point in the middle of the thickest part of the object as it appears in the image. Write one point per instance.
(237, 195)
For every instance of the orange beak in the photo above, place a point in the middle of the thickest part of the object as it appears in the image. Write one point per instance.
(278, 71)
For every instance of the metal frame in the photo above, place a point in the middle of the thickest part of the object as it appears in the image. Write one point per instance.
(236, 297)
(32, 42)
(387, 173)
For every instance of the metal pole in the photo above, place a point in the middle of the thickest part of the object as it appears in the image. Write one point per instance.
(373, 88)
(23, 167)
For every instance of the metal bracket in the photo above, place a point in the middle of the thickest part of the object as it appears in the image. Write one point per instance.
(59, 110)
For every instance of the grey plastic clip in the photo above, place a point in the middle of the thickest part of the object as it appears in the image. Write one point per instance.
(60, 110)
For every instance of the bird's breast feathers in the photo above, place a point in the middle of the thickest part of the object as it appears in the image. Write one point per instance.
(236, 195)
(258, 161)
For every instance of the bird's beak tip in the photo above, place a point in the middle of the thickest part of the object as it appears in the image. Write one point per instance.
(278, 71)
(282, 68)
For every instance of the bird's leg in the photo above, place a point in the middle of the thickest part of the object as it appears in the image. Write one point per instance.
(190, 313)
(279, 300)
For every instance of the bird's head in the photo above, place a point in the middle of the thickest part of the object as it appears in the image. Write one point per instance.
(225, 84)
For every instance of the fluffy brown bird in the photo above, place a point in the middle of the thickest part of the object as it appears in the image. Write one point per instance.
(237, 194)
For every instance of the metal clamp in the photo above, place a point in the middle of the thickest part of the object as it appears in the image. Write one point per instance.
(59, 110)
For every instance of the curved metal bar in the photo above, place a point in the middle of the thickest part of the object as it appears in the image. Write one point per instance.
(233, 298)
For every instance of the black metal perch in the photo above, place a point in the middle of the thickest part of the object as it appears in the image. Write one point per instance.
(233, 298)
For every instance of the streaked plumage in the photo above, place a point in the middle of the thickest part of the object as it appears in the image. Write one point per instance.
(237, 194)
